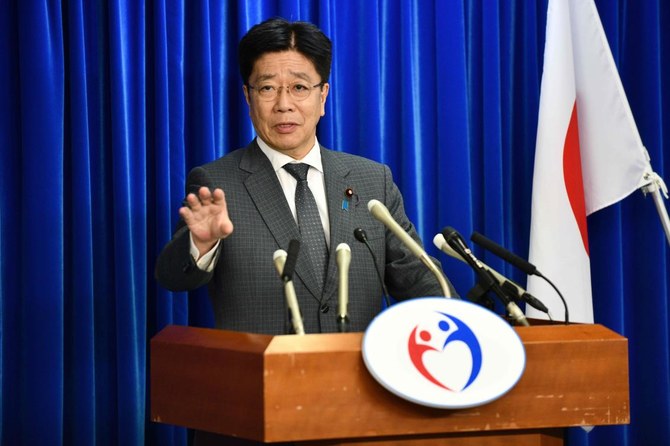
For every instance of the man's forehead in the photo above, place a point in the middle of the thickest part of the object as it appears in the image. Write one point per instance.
(286, 63)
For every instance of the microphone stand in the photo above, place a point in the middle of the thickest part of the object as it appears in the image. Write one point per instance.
(478, 295)
(485, 283)
(343, 324)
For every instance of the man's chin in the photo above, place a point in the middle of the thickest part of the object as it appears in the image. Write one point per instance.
(289, 147)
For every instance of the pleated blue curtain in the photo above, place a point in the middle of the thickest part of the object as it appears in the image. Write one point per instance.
(23, 353)
(107, 105)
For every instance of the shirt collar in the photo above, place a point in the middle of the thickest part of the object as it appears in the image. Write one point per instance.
(278, 159)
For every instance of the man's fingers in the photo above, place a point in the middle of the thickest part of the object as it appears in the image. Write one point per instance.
(199, 205)
(205, 195)
(192, 201)
(186, 214)
(218, 197)
(203, 198)
(206, 214)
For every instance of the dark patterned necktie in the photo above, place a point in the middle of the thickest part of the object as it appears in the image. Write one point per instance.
(309, 222)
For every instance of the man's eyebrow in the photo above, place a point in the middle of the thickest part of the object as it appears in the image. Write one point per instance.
(301, 75)
(264, 77)
(298, 74)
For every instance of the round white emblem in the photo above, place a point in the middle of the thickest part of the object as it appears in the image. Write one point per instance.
(444, 353)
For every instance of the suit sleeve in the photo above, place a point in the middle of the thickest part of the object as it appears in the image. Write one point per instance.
(176, 269)
(405, 275)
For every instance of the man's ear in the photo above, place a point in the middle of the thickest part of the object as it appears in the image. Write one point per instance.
(245, 89)
(323, 96)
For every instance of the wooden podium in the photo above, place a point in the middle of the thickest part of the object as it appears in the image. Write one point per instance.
(316, 389)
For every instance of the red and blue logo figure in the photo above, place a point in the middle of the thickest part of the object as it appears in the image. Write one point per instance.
(453, 330)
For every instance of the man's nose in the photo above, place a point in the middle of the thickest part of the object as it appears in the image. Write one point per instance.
(284, 100)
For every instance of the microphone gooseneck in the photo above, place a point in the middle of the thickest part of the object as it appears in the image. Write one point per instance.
(361, 236)
(343, 257)
(381, 213)
(285, 265)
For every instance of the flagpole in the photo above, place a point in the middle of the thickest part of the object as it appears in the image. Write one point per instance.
(654, 188)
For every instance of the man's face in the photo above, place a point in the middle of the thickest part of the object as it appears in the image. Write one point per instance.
(285, 123)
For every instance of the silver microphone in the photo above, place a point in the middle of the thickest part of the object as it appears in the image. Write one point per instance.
(279, 258)
(343, 261)
(381, 213)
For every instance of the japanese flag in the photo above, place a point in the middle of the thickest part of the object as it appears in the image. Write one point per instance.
(588, 154)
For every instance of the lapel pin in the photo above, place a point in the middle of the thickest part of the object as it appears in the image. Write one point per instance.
(348, 193)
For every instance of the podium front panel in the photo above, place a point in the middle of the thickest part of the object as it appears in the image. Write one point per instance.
(316, 387)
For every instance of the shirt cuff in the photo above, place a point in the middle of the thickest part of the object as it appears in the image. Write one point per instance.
(208, 260)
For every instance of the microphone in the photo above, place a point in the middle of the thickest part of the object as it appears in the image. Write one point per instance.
(457, 243)
(504, 254)
(381, 213)
(512, 288)
(520, 263)
(279, 259)
(361, 236)
(285, 265)
(291, 260)
(523, 295)
(343, 261)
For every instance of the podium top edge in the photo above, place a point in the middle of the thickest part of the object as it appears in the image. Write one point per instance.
(331, 342)
(563, 333)
(212, 338)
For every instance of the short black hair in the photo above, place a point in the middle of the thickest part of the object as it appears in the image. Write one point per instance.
(276, 35)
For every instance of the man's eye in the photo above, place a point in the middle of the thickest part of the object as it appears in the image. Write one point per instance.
(266, 88)
(300, 87)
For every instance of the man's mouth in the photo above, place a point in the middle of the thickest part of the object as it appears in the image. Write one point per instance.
(286, 127)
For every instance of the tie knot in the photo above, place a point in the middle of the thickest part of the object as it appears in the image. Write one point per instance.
(299, 171)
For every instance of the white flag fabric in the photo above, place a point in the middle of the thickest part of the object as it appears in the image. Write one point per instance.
(588, 154)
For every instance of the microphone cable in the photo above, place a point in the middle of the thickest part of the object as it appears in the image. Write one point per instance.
(361, 236)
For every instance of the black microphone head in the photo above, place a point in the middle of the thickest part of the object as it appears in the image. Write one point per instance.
(293, 247)
(503, 253)
(360, 235)
(478, 238)
(448, 233)
(291, 259)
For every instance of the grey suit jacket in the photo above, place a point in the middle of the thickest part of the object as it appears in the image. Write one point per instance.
(244, 287)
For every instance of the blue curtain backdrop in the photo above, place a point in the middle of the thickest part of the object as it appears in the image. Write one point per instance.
(106, 105)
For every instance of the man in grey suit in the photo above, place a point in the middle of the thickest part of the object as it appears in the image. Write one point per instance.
(285, 67)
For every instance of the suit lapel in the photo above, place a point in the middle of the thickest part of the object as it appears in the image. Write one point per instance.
(335, 173)
(266, 193)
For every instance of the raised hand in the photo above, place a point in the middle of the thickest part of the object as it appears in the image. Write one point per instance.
(206, 216)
